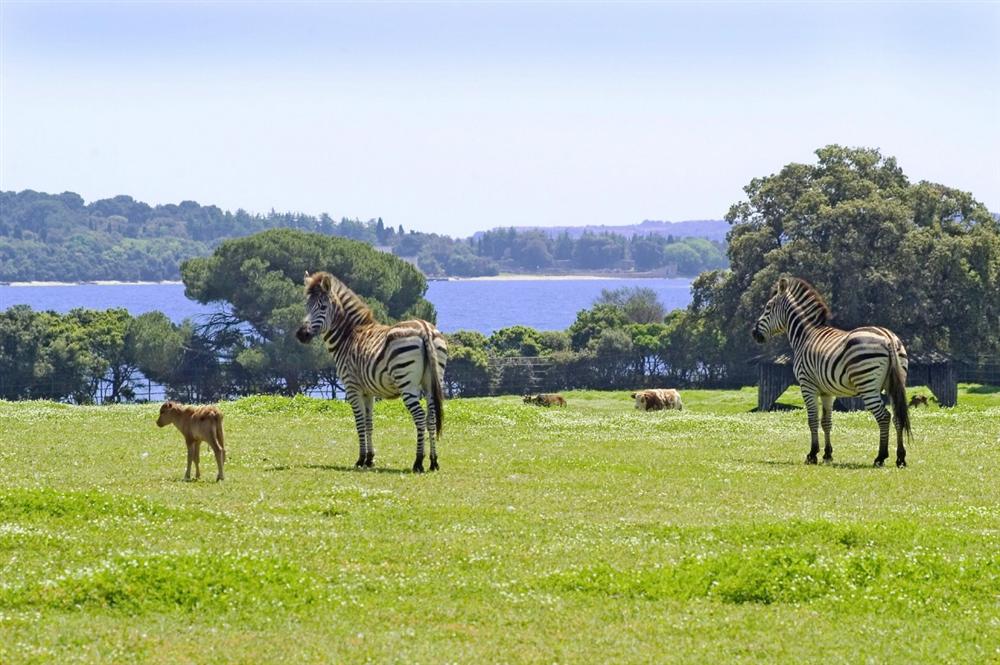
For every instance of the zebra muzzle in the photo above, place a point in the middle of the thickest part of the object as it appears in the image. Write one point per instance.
(303, 335)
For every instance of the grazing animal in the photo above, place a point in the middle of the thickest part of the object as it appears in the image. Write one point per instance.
(829, 362)
(197, 424)
(918, 400)
(657, 399)
(545, 399)
(374, 360)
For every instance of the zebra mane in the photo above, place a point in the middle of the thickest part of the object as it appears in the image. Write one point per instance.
(809, 301)
(349, 302)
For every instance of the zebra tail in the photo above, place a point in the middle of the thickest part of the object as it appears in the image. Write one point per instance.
(897, 392)
(430, 359)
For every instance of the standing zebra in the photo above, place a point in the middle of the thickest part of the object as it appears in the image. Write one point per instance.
(829, 362)
(375, 360)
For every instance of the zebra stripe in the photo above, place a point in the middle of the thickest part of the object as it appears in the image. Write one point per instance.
(829, 362)
(405, 360)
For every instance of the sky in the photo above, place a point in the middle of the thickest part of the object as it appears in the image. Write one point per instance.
(453, 118)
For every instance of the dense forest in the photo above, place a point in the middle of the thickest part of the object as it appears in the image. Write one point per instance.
(59, 237)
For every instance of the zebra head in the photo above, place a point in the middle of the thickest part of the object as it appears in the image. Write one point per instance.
(319, 309)
(773, 320)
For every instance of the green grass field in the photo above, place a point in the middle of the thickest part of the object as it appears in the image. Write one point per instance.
(589, 534)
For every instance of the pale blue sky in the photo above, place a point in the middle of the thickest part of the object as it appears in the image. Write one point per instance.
(459, 117)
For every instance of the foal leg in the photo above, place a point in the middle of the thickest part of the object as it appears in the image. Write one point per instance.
(220, 457)
(190, 458)
(412, 402)
(197, 459)
(873, 402)
(809, 397)
(356, 400)
(827, 423)
(369, 401)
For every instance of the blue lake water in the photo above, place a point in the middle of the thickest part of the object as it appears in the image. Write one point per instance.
(483, 305)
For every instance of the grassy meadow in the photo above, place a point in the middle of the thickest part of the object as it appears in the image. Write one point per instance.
(593, 533)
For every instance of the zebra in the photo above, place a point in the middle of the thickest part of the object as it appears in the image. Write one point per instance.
(829, 362)
(375, 360)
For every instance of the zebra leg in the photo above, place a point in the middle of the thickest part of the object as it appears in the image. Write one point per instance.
(369, 402)
(431, 429)
(873, 402)
(412, 403)
(827, 423)
(900, 448)
(809, 397)
(356, 400)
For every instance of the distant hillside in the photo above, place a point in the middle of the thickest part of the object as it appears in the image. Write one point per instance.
(712, 229)
(60, 237)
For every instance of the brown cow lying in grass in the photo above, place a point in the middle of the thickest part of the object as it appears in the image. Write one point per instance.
(655, 400)
(197, 424)
(545, 399)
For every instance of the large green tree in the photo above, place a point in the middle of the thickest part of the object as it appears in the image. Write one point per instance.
(112, 367)
(180, 357)
(921, 259)
(45, 355)
(638, 304)
(258, 279)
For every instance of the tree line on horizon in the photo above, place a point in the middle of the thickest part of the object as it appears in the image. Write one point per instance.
(921, 259)
(59, 237)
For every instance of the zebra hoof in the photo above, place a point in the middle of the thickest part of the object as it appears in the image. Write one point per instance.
(827, 459)
(418, 466)
(810, 459)
(901, 463)
(370, 461)
(434, 465)
(360, 463)
(879, 463)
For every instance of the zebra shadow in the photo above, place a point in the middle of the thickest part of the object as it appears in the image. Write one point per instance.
(851, 466)
(777, 406)
(355, 469)
(336, 467)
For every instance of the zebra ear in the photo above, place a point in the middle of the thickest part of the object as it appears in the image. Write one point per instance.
(326, 284)
(782, 285)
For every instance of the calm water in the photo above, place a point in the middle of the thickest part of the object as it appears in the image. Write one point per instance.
(485, 306)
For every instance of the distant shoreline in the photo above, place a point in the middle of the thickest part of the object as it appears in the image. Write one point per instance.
(503, 277)
(521, 277)
(99, 282)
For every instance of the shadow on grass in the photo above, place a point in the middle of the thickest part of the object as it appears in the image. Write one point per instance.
(354, 469)
(778, 406)
(859, 465)
(851, 466)
(336, 467)
(984, 389)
